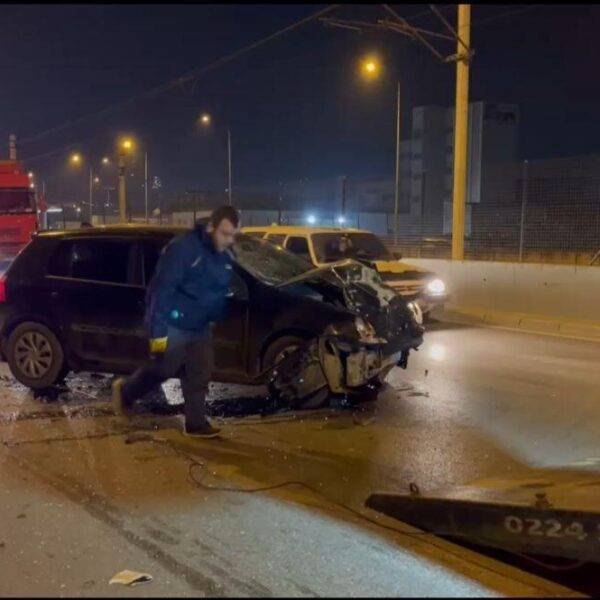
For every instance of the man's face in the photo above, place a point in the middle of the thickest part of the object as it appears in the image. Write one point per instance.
(223, 235)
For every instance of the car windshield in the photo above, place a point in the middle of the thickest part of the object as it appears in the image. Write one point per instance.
(17, 200)
(336, 246)
(270, 263)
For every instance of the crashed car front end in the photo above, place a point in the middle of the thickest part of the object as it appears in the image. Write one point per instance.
(350, 354)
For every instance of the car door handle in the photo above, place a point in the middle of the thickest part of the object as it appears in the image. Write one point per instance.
(54, 295)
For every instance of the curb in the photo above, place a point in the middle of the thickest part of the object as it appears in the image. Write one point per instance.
(529, 323)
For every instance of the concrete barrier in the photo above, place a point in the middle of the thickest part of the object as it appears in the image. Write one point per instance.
(556, 299)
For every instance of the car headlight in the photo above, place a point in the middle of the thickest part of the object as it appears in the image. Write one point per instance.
(436, 286)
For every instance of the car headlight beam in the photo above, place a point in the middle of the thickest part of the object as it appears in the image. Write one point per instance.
(436, 286)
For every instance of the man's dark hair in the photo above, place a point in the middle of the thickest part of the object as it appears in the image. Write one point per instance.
(224, 212)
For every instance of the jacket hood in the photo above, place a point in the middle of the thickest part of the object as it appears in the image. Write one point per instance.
(204, 236)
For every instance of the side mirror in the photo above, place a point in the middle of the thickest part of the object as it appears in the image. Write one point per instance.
(397, 255)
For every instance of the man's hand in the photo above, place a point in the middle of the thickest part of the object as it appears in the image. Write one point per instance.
(158, 345)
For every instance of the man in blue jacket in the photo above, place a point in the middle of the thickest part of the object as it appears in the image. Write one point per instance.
(186, 295)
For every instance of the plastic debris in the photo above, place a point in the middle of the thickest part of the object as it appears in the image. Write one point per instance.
(130, 578)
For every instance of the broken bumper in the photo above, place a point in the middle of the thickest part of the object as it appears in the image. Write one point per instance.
(340, 365)
(365, 365)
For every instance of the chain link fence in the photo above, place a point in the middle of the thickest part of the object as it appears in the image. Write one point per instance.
(544, 211)
(537, 211)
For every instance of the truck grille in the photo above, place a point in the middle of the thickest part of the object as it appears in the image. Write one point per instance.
(411, 283)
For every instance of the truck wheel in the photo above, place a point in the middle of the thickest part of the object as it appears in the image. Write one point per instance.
(277, 351)
(34, 355)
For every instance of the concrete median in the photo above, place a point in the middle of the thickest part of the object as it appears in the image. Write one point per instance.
(554, 299)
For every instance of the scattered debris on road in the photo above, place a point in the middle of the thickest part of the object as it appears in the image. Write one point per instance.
(131, 578)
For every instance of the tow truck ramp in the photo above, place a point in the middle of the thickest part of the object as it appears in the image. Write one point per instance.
(550, 512)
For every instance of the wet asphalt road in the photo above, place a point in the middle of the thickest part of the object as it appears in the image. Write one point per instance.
(83, 497)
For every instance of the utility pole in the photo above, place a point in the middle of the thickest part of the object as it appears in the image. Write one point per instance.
(122, 193)
(12, 146)
(44, 212)
(397, 183)
(461, 125)
(523, 210)
(146, 183)
(229, 163)
(343, 199)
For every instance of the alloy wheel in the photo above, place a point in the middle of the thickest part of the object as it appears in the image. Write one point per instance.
(33, 354)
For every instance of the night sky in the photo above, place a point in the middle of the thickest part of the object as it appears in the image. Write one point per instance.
(296, 106)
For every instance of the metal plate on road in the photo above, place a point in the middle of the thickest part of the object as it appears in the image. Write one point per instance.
(557, 514)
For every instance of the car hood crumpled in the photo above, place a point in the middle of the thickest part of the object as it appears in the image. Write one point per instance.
(362, 291)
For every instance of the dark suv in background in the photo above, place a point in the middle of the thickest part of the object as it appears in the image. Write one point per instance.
(74, 301)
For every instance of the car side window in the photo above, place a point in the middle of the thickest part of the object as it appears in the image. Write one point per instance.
(93, 259)
(152, 252)
(276, 238)
(299, 246)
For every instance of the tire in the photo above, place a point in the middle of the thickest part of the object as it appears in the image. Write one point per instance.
(280, 348)
(35, 356)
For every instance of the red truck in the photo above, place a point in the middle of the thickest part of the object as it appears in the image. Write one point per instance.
(18, 210)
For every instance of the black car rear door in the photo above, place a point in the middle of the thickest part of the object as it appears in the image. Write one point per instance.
(98, 301)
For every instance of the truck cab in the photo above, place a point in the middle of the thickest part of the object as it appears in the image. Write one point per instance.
(18, 209)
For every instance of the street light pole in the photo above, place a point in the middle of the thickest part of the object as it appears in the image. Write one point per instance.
(122, 192)
(229, 163)
(91, 191)
(146, 183)
(461, 125)
(397, 184)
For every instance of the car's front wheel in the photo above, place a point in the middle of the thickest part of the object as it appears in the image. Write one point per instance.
(276, 352)
(35, 355)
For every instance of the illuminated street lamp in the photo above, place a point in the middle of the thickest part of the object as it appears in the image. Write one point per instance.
(125, 146)
(205, 120)
(76, 159)
(370, 69)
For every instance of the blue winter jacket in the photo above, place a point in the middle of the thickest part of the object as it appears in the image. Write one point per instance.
(190, 284)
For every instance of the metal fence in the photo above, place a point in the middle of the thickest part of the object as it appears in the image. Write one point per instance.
(537, 211)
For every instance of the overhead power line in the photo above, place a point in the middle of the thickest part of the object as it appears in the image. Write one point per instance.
(179, 81)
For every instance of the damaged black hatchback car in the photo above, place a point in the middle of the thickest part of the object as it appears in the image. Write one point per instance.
(74, 301)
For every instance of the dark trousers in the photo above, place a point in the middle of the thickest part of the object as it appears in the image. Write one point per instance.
(189, 356)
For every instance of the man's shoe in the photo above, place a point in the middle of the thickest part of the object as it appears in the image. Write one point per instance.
(119, 407)
(206, 432)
